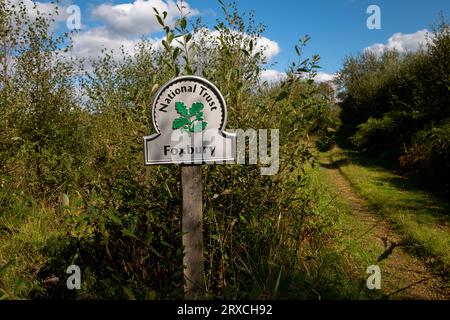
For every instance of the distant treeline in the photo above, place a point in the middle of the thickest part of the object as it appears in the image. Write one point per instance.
(397, 105)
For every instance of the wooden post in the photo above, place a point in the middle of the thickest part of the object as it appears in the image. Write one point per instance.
(192, 228)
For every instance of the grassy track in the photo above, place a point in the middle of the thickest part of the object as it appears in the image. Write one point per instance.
(365, 238)
(418, 219)
(421, 218)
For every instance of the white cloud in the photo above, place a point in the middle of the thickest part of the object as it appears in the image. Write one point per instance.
(324, 77)
(89, 44)
(272, 76)
(269, 47)
(401, 42)
(138, 18)
(125, 24)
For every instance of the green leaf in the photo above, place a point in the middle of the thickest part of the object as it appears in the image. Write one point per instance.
(115, 218)
(200, 116)
(129, 233)
(179, 122)
(175, 54)
(282, 95)
(165, 243)
(161, 22)
(195, 108)
(183, 23)
(188, 70)
(155, 252)
(181, 109)
(170, 37)
(166, 45)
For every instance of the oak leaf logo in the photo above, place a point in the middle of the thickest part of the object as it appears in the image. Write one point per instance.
(190, 120)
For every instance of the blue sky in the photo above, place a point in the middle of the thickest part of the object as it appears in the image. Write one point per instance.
(337, 27)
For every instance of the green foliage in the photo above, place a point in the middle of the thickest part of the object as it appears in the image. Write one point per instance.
(390, 102)
(373, 133)
(429, 153)
(43, 132)
(325, 143)
(78, 138)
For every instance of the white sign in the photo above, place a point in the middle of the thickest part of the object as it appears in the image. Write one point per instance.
(189, 115)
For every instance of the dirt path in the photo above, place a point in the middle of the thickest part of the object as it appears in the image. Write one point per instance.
(399, 269)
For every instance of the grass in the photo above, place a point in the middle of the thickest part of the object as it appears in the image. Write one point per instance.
(354, 251)
(336, 272)
(25, 228)
(423, 219)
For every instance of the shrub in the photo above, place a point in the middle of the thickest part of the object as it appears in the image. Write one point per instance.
(121, 220)
(398, 102)
(429, 154)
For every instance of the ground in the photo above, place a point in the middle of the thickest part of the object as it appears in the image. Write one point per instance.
(376, 241)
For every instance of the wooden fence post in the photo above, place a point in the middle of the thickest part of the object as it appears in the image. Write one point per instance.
(192, 228)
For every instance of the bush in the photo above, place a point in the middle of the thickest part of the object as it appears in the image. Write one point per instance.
(325, 143)
(429, 154)
(390, 101)
(120, 220)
